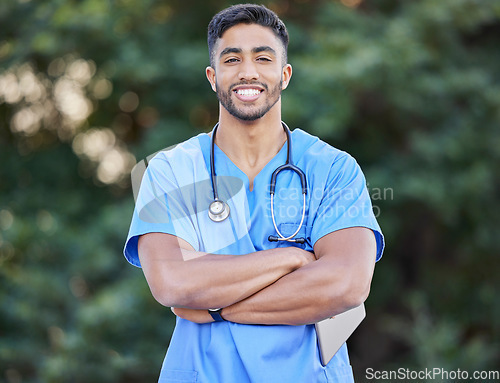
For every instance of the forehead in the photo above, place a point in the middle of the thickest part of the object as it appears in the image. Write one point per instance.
(247, 37)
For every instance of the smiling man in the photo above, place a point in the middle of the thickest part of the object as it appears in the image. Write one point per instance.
(246, 270)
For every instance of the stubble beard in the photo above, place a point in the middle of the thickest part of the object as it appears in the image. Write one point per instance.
(251, 115)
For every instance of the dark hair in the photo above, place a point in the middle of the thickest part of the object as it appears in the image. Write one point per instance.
(245, 14)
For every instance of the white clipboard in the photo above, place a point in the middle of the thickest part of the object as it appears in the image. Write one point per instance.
(332, 333)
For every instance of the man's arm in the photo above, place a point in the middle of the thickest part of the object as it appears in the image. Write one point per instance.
(337, 282)
(178, 276)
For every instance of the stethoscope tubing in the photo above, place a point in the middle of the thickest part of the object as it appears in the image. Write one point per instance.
(281, 236)
(212, 164)
(222, 214)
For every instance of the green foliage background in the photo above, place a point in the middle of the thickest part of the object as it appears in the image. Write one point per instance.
(410, 88)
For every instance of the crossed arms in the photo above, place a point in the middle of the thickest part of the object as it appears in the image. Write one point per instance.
(278, 286)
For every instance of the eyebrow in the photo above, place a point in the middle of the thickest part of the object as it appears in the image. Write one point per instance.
(263, 48)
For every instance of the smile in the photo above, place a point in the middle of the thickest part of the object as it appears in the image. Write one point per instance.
(248, 93)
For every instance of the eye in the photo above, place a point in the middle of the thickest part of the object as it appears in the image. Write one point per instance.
(231, 60)
(265, 59)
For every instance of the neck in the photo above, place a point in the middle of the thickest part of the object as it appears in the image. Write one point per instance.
(250, 141)
(251, 144)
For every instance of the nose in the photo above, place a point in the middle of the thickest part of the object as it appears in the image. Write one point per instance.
(248, 71)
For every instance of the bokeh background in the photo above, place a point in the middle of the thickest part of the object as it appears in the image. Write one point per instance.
(88, 87)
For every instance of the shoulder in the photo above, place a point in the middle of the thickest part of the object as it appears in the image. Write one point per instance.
(314, 151)
(176, 165)
(188, 152)
(181, 159)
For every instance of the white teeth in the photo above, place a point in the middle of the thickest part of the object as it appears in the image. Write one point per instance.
(248, 92)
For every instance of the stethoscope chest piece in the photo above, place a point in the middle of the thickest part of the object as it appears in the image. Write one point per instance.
(218, 210)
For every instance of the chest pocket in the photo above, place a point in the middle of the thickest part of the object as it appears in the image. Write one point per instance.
(287, 229)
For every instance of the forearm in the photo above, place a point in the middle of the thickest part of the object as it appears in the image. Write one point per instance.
(299, 299)
(209, 281)
(218, 281)
(338, 281)
(292, 300)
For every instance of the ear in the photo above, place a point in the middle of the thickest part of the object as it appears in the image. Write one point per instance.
(286, 75)
(210, 72)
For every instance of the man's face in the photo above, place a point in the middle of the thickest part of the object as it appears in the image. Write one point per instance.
(249, 74)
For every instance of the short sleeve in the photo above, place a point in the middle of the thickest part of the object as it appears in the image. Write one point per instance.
(346, 202)
(162, 206)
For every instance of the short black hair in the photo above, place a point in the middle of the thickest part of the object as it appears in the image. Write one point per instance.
(245, 14)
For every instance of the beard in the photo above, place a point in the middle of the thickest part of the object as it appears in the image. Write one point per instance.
(252, 114)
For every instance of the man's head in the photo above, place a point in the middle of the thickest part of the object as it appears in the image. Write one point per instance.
(248, 68)
(245, 14)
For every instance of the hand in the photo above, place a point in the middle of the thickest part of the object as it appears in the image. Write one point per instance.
(305, 257)
(193, 315)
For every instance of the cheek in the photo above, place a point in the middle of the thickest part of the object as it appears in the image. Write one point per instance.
(221, 81)
(275, 76)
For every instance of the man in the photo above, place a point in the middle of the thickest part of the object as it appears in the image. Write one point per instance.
(266, 294)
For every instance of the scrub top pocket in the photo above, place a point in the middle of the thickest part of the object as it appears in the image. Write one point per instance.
(287, 229)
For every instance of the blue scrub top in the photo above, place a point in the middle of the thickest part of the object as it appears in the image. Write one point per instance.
(174, 197)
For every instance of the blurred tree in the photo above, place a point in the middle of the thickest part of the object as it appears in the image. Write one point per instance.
(411, 89)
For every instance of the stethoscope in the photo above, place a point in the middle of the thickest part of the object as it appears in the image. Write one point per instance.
(218, 209)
